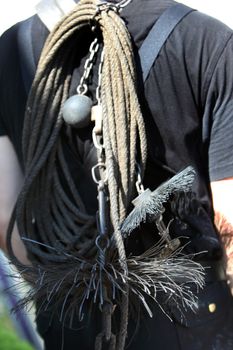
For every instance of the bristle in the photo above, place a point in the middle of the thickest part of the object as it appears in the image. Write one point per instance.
(148, 274)
(151, 206)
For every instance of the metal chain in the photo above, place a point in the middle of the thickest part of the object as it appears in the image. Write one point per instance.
(117, 6)
(97, 135)
(82, 87)
(100, 177)
(94, 47)
(99, 171)
(102, 242)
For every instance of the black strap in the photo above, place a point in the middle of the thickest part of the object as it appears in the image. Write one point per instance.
(27, 62)
(158, 35)
(148, 52)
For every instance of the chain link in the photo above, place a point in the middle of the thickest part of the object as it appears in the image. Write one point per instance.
(101, 166)
(82, 87)
(108, 5)
(98, 141)
(97, 137)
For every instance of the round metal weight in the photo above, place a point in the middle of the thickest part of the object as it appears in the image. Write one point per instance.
(76, 111)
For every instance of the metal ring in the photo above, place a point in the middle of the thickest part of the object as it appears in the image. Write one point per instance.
(97, 145)
(102, 242)
(82, 89)
(99, 165)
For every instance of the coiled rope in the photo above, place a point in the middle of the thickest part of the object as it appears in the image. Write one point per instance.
(50, 209)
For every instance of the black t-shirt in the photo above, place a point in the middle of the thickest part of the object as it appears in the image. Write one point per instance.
(187, 104)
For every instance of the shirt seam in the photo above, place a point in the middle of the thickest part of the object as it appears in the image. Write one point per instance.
(213, 68)
(221, 172)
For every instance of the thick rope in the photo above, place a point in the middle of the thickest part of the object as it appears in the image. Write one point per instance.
(49, 209)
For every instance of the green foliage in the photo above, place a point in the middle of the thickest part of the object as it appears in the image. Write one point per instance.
(8, 338)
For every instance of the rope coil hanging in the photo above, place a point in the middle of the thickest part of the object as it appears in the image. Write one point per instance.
(45, 213)
(59, 233)
(122, 115)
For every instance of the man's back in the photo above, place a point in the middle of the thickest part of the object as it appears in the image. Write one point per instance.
(187, 108)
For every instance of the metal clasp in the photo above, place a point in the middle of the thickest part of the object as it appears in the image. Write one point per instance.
(139, 184)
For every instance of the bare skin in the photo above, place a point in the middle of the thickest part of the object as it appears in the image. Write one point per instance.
(11, 179)
(222, 192)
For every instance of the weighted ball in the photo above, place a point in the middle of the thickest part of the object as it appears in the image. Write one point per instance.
(77, 111)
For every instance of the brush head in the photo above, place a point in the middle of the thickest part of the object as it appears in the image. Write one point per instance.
(150, 205)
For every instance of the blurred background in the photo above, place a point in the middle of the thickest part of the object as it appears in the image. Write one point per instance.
(12, 11)
(17, 328)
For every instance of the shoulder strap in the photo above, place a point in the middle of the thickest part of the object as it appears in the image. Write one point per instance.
(26, 56)
(148, 52)
(158, 35)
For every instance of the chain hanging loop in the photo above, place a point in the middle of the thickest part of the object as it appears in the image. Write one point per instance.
(88, 66)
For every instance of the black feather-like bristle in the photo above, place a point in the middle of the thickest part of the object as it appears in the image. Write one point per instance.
(149, 204)
(73, 282)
